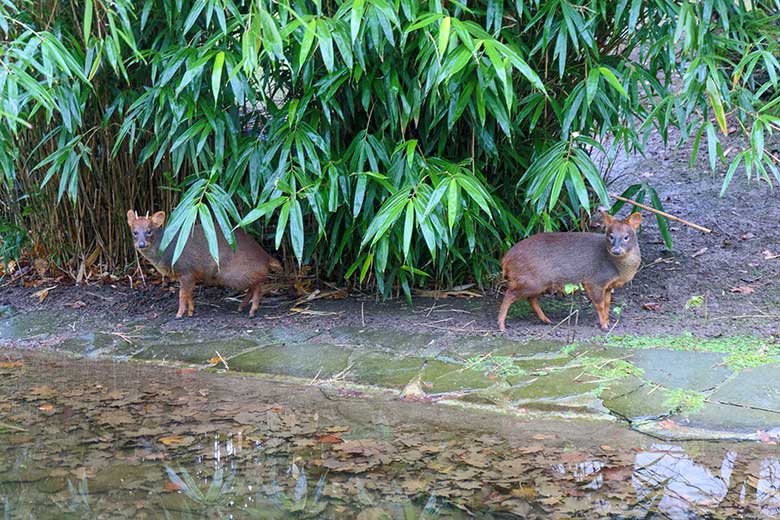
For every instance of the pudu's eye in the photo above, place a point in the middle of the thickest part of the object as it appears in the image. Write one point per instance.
(625, 238)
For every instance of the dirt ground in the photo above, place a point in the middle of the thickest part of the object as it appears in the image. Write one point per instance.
(730, 272)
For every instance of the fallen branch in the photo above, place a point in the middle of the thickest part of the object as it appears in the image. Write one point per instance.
(662, 213)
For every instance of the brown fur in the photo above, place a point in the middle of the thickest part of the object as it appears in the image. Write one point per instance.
(245, 268)
(549, 261)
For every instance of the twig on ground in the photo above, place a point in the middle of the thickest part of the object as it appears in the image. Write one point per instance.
(575, 313)
(316, 376)
(124, 337)
(313, 313)
(222, 360)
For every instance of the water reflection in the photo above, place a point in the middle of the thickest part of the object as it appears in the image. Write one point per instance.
(768, 487)
(164, 444)
(668, 480)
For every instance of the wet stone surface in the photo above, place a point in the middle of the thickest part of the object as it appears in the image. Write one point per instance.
(679, 393)
(677, 369)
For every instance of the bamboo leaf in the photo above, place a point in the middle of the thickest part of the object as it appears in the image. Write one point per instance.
(612, 80)
(208, 230)
(444, 35)
(296, 229)
(717, 105)
(356, 17)
(188, 220)
(310, 31)
(216, 74)
(87, 24)
(408, 227)
(453, 202)
(284, 215)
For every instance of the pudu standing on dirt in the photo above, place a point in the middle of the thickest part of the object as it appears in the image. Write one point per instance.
(245, 268)
(549, 261)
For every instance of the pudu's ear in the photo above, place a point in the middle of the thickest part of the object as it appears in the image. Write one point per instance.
(158, 219)
(131, 216)
(634, 220)
(606, 218)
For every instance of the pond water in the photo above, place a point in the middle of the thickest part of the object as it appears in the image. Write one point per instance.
(101, 439)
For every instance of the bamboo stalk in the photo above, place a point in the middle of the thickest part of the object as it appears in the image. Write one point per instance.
(662, 213)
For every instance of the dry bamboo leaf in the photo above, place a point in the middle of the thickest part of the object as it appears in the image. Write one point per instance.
(43, 293)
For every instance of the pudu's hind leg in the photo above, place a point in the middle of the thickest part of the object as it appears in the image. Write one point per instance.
(257, 293)
(510, 296)
(186, 304)
(538, 310)
(247, 299)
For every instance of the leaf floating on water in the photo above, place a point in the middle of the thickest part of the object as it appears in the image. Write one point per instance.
(617, 473)
(329, 439)
(42, 391)
(177, 440)
(172, 486)
(534, 448)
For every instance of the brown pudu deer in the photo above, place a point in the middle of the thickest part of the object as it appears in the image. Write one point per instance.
(549, 261)
(246, 267)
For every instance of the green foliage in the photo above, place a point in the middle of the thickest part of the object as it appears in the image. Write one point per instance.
(498, 366)
(12, 239)
(681, 400)
(743, 351)
(392, 144)
(610, 369)
(694, 302)
(741, 360)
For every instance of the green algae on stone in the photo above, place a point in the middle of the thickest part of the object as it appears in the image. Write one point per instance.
(39, 323)
(689, 342)
(635, 400)
(383, 338)
(562, 383)
(381, 369)
(93, 343)
(682, 400)
(190, 347)
(297, 360)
